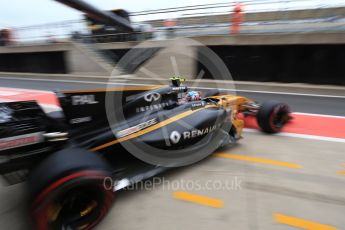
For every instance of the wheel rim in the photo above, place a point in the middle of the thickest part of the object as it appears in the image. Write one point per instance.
(48, 207)
(75, 209)
(280, 117)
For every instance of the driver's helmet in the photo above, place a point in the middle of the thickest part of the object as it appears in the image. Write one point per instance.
(193, 96)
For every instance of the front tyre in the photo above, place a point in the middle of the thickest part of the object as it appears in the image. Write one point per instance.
(68, 191)
(272, 116)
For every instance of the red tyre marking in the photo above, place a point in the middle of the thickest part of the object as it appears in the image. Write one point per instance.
(44, 193)
(41, 219)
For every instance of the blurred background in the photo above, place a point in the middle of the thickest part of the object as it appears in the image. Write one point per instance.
(153, 20)
(258, 40)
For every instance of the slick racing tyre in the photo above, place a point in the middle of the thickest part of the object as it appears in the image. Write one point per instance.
(68, 191)
(272, 116)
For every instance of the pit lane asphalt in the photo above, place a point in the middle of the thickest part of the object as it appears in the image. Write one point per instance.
(313, 192)
(251, 193)
(298, 103)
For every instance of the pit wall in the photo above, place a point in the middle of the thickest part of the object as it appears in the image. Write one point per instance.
(315, 64)
(290, 63)
(34, 62)
(56, 58)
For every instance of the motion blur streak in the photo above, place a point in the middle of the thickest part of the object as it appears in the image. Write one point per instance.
(203, 200)
(301, 223)
(257, 160)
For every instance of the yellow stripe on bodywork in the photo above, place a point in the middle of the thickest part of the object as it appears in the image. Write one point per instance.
(151, 128)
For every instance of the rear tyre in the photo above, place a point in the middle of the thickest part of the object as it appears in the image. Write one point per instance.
(68, 191)
(272, 116)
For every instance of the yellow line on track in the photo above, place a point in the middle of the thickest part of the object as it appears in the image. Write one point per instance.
(257, 160)
(198, 199)
(342, 172)
(301, 223)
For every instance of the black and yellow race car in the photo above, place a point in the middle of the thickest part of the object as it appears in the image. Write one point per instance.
(105, 140)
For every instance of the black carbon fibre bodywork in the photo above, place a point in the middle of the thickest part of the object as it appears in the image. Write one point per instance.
(143, 118)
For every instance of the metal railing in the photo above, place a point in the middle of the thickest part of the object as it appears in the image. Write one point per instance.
(197, 20)
(331, 24)
(250, 6)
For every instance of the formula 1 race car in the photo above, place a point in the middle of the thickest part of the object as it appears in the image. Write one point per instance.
(105, 140)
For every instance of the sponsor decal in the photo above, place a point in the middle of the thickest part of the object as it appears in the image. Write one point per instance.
(136, 128)
(84, 100)
(80, 120)
(5, 114)
(152, 107)
(198, 105)
(175, 136)
(150, 97)
(20, 141)
(198, 132)
(179, 89)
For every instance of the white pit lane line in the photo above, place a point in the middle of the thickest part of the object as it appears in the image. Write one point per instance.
(318, 115)
(296, 135)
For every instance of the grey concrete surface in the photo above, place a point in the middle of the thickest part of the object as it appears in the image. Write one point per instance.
(261, 35)
(220, 36)
(49, 47)
(82, 59)
(177, 56)
(314, 192)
